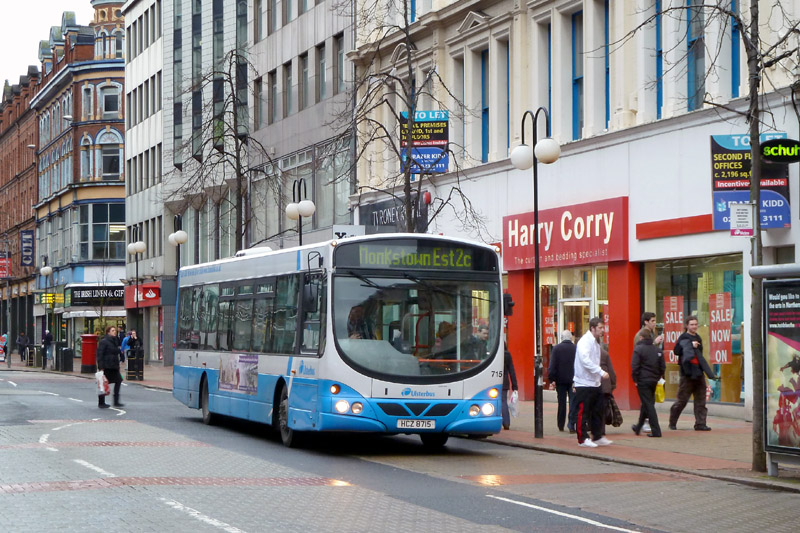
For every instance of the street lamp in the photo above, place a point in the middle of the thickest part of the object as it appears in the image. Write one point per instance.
(47, 271)
(522, 157)
(300, 208)
(176, 238)
(135, 248)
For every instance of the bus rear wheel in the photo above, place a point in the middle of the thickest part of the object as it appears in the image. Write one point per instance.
(433, 440)
(209, 418)
(289, 437)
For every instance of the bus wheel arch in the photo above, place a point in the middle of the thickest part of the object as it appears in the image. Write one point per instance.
(209, 418)
(289, 436)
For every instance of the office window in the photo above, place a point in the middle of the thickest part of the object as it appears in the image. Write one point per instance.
(302, 90)
(272, 16)
(217, 45)
(258, 104)
(110, 101)
(577, 75)
(607, 72)
(659, 62)
(338, 47)
(272, 82)
(288, 101)
(177, 75)
(258, 27)
(303, 6)
(86, 103)
(485, 106)
(321, 78)
(696, 55)
(735, 44)
(119, 45)
(288, 11)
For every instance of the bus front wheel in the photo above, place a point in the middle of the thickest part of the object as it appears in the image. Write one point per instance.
(289, 437)
(209, 418)
(433, 440)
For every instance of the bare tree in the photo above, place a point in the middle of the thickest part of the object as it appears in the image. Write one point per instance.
(386, 96)
(219, 156)
(771, 61)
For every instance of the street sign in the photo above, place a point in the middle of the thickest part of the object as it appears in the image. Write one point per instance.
(742, 219)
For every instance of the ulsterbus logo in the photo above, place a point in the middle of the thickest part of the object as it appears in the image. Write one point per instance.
(417, 394)
(306, 370)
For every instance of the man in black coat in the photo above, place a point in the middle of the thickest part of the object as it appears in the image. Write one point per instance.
(689, 349)
(108, 362)
(648, 368)
(561, 372)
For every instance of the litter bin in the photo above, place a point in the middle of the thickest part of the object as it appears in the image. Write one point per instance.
(36, 356)
(135, 360)
(58, 347)
(88, 353)
(66, 356)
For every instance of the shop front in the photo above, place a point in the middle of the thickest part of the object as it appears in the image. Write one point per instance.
(150, 322)
(584, 272)
(89, 309)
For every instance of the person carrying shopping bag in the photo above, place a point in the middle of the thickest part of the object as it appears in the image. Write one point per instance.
(647, 367)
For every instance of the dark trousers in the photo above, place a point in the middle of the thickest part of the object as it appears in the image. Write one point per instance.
(562, 393)
(647, 395)
(504, 409)
(695, 387)
(587, 412)
(113, 376)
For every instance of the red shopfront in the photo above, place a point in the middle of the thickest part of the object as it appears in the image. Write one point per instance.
(152, 324)
(584, 272)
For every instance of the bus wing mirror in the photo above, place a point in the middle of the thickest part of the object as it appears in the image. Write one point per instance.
(508, 304)
(310, 297)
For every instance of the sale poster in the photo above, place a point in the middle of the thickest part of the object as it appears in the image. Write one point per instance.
(673, 327)
(720, 318)
(607, 338)
(549, 326)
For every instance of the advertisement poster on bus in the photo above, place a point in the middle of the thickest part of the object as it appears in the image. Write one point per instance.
(429, 138)
(730, 181)
(239, 373)
(782, 366)
(720, 318)
(673, 327)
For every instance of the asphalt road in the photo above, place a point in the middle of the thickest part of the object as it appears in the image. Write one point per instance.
(66, 465)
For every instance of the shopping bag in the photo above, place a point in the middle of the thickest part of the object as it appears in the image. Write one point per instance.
(102, 383)
(513, 403)
(660, 393)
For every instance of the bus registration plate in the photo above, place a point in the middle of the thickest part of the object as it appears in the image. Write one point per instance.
(405, 423)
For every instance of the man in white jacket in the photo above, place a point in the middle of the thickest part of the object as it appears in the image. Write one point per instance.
(588, 376)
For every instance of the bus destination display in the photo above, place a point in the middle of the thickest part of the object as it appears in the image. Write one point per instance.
(402, 254)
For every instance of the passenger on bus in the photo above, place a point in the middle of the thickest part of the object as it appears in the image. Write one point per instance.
(357, 325)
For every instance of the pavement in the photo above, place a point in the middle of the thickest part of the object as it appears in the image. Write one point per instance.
(723, 453)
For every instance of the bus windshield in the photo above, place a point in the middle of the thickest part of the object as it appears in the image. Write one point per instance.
(410, 325)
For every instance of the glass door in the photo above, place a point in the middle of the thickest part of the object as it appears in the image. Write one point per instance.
(576, 315)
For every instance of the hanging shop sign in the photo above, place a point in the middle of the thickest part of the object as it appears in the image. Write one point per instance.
(428, 139)
(730, 182)
(673, 326)
(148, 295)
(582, 234)
(26, 247)
(780, 151)
(781, 365)
(720, 319)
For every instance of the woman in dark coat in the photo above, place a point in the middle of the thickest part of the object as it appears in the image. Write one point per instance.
(509, 382)
(648, 368)
(108, 362)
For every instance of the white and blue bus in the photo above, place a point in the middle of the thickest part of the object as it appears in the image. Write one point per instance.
(389, 334)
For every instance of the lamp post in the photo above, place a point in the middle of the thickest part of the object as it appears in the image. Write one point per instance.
(47, 271)
(299, 207)
(523, 157)
(135, 248)
(176, 238)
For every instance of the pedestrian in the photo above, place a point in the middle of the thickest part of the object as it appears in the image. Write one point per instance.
(4, 348)
(692, 365)
(560, 372)
(23, 342)
(587, 379)
(130, 343)
(47, 348)
(509, 382)
(607, 386)
(648, 323)
(647, 367)
(108, 362)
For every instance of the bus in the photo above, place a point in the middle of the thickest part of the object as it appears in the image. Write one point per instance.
(393, 334)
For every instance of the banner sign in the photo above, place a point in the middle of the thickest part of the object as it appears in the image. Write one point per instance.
(26, 247)
(721, 316)
(782, 365)
(730, 181)
(4, 266)
(673, 327)
(429, 139)
(100, 296)
(149, 295)
(582, 234)
(548, 325)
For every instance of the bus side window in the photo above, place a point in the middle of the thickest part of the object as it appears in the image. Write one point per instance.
(224, 325)
(314, 314)
(285, 322)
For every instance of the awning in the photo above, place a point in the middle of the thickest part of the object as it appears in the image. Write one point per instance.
(93, 314)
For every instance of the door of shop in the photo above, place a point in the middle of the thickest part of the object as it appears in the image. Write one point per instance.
(575, 315)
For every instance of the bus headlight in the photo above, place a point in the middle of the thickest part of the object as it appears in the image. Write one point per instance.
(488, 409)
(357, 408)
(493, 393)
(342, 406)
(335, 389)
(474, 410)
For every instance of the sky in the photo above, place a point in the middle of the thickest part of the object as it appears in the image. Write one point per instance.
(26, 22)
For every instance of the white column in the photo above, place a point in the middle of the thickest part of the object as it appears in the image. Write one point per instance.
(561, 69)
(594, 87)
(673, 30)
(646, 74)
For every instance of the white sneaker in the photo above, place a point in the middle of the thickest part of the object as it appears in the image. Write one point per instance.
(602, 441)
(646, 427)
(587, 444)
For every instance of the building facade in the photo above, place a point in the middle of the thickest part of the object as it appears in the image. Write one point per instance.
(634, 214)
(18, 137)
(80, 210)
